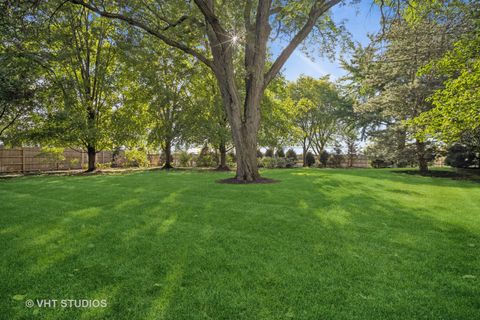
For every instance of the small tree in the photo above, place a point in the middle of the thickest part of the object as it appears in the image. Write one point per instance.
(291, 158)
(269, 153)
(184, 158)
(460, 156)
(291, 154)
(310, 159)
(336, 157)
(324, 155)
(280, 153)
(206, 158)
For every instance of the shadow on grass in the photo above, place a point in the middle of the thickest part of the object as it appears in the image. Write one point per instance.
(164, 245)
(459, 174)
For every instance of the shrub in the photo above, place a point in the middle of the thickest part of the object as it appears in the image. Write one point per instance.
(336, 158)
(460, 156)
(290, 163)
(269, 162)
(269, 153)
(260, 162)
(184, 159)
(280, 153)
(231, 160)
(324, 155)
(52, 154)
(136, 158)
(291, 154)
(380, 163)
(74, 163)
(309, 159)
(104, 165)
(280, 163)
(291, 158)
(259, 154)
(206, 158)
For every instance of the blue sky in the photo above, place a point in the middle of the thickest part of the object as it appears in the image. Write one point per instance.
(360, 20)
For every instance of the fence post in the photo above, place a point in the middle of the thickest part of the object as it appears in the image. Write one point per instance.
(23, 160)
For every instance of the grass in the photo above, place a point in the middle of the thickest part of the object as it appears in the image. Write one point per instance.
(321, 244)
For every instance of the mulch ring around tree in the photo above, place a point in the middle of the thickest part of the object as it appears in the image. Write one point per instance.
(257, 181)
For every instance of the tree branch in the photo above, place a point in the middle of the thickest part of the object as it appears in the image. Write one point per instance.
(148, 29)
(318, 8)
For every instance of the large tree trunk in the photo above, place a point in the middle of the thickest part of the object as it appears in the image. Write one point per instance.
(246, 151)
(244, 118)
(167, 153)
(304, 154)
(91, 153)
(223, 157)
(422, 160)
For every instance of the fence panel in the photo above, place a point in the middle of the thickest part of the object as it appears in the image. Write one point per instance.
(31, 159)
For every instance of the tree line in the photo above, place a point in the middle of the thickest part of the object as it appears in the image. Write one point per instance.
(96, 75)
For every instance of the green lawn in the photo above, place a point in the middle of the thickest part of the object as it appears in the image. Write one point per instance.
(321, 244)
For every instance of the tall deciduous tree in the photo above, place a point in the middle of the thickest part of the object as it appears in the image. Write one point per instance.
(208, 121)
(22, 82)
(456, 104)
(19, 82)
(214, 33)
(321, 112)
(80, 52)
(166, 85)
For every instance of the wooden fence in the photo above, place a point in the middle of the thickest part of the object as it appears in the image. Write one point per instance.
(34, 159)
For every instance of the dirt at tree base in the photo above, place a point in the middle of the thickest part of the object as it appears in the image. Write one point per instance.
(257, 181)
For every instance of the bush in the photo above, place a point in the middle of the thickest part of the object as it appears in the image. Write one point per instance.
(280, 163)
(324, 155)
(136, 158)
(269, 162)
(52, 154)
(206, 158)
(290, 163)
(336, 158)
(280, 153)
(231, 160)
(460, 156)
(309, 159)
(74, 163)
(259, 154)
(260, 162)
(291, 154)
(380, 163)
(269, 153)
(184, 159)
(105, 165)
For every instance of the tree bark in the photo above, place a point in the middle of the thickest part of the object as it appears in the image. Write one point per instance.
(304, 155)
(223, 157)
(167, 152)
(246, 150)
(422, 161)
(91, 152)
